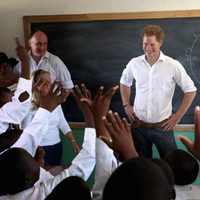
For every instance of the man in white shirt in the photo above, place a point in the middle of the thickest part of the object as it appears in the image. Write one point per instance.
(156, 76)
(40, 58)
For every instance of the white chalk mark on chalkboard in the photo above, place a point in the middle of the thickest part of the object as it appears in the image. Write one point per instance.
(189, 58)
(188, 54)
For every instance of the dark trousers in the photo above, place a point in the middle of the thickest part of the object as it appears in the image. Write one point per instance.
(144, 138)
(53, 154)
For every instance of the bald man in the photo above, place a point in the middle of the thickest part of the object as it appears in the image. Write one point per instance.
(40, 58)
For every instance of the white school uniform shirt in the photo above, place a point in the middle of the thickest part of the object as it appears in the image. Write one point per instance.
(32, 135)
(82, 166)
(106, 163)
(44, 174)
(29, 139)
(54, 65)
(155, 86)
(57, 122)
(187, 192)
(13, 112)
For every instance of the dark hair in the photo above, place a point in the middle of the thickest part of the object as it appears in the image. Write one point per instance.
(18, 171)
(4, 59)
(8, 138)
(137, 178)
(73, 188)
(12, 62)
(164, 166)
(184, 166)
(4, 91)
(166, 169)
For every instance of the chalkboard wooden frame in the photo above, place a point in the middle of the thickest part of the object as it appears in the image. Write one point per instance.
(28, 20)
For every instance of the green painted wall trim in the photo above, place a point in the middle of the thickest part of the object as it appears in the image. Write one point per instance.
(68, 153)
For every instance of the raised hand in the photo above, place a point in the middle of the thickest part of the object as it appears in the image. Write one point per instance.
(54, 97)
(22, 54)
(99, 107)
(121, 140)
(79, 93)
(193, 147)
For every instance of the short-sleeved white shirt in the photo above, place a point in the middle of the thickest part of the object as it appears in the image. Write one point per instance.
(54, 65)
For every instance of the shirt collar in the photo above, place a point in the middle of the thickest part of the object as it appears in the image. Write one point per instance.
(183, 187)
(161, 57)
(46, 55)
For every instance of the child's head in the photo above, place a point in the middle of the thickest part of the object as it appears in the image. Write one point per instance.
(8, 138)
(138, 178)
(5, 96)
(168, 172)
(73, 187)
(18, 171)
(184, 166)
(6, 64)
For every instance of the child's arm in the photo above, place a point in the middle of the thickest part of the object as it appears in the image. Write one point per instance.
(13, 112)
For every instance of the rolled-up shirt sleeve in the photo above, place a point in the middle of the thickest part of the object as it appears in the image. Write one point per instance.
(183, 80)
(127, 75)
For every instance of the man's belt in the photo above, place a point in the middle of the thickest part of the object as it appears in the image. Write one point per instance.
(141, 124)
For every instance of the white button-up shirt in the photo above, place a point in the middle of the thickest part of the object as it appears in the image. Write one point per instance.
(155, 86)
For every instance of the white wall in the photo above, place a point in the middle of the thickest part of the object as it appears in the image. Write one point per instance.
(12, 11)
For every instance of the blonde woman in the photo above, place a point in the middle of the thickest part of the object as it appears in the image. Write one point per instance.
(51, 141)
